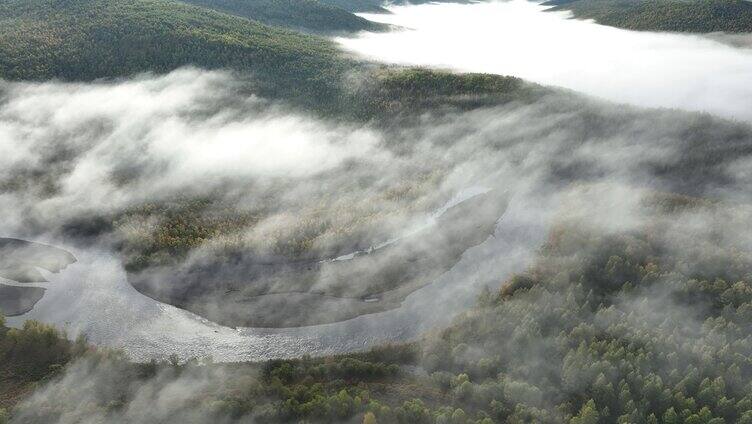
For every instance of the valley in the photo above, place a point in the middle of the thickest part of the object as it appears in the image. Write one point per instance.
(315, 211)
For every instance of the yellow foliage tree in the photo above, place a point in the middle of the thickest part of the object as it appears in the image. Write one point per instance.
(369, 418)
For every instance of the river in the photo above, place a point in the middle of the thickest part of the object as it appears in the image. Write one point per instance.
(93, 297)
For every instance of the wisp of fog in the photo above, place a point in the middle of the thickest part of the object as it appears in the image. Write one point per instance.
(520, 38)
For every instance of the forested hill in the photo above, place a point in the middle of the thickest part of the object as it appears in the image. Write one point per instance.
(88, 39)
(305, 15)
(371, 6)
(85, 40)
(377, 6)
(698, 16)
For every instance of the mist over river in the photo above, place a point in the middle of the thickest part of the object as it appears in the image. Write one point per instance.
(521, 39)
(93, 297)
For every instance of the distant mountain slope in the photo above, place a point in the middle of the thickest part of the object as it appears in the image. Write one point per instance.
(84, 40)
(378, 6)
(372, 6)
(699, 16)
(90, 39)
(304, 15)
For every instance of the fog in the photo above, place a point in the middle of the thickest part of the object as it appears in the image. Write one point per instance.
(560, 151)
(78, 154)
(102, 170)
(73, 156)
(518, 38)
(184, 132)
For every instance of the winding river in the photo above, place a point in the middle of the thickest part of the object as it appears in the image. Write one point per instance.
(93, 297)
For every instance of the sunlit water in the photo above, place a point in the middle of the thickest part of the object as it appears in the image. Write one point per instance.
(519, 38)
(93, 297)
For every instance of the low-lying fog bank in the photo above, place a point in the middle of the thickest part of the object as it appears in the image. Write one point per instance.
(518, 38)
(169, 171)
(175, 170)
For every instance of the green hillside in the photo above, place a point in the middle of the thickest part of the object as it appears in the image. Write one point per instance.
(304, 15)
(370, 6)
(377, 6)
(699, 16)
(84, 40)
(88, 39)
(27, 356)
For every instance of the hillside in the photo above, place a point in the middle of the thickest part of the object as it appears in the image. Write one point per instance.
(358, 6)
(305, 15)
(89, 39)
(85, 40)
(29, 355)
(378, 6)
(697, 16)
(292, 288)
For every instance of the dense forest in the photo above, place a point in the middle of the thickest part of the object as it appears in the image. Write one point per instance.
(700, 16)
(29, 356)
(359, 6)
(307, 15)
(378, 6)
(89, 39)
(93, 39)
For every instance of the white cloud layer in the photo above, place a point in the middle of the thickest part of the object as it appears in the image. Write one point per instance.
(186, 132)
(518, 38)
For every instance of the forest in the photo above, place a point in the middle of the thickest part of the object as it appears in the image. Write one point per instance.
(376, 6)
(697, 16)
(90, 39)
(309, 16)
